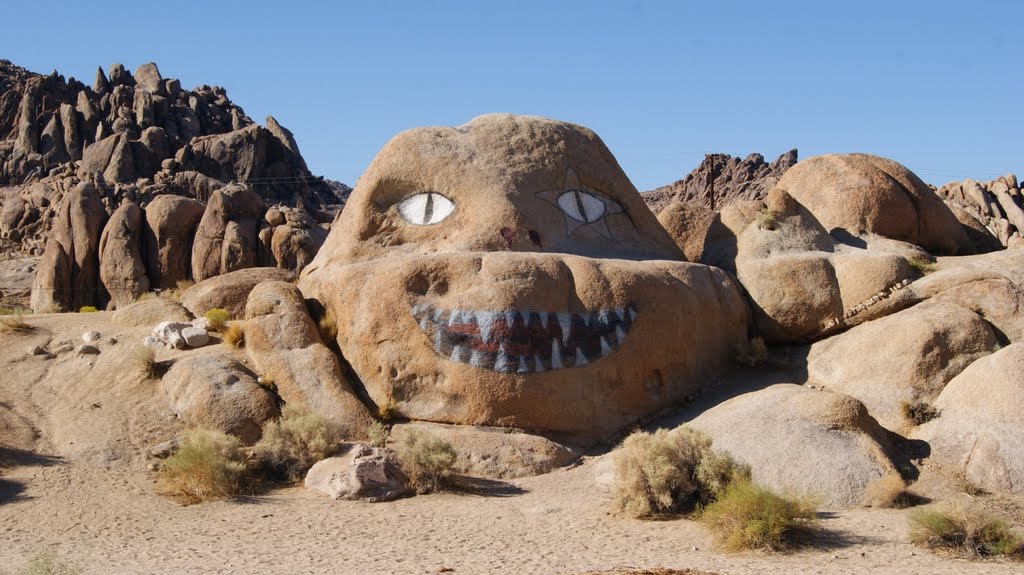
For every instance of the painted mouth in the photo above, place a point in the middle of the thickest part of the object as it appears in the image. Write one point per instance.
(524, 342)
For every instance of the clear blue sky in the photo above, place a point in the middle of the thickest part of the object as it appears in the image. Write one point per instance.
(935, 85)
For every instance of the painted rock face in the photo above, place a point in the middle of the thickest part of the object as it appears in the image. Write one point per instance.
(506, 272)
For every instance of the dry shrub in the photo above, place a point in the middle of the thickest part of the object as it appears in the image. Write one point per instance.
(766, 219)
(141, 359)
(922, 266)
(208, 465)
(218, 318)
(46, 562)
(87, 309)
(757, 355)
(918, 412)
(15, 324)
(297, 440)
(378, 433)
(427, 459)
(889, 491)
(747, 516)
(669, 472)
(966, 532)
(234, 335)
(328, 327)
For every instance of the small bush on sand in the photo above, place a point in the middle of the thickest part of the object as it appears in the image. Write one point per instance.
(328, 328)
(87, 309)
(747, 516)
(46, 562)
(377, 433)
(966, 532)
(297, 440)
(427, 460)
(234, 335)
(890, 491)
(218, 318)
(15, 324)
(766, 219)
(141, 359)
(922, 266)
(918, 412)
(208, 465)
(669, 472)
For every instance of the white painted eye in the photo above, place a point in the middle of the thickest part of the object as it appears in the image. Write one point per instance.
(582, 206)
(425, 208)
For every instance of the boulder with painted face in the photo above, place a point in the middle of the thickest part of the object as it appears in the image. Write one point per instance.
(507, 273)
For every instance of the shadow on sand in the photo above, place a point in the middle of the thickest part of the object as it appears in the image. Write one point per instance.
(10, 457)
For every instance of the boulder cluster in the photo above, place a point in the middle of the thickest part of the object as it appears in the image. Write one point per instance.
(992, 213)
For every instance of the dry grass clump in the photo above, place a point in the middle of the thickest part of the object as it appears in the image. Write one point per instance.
(967, 532)
(923, 266)
(234, 335)
(15, 324)
(208, 465)
(890, 492)
(142, 359)
(328, 328)
(757, 355)
(46, 562)
(378, 433)
(747, 516)
(298, 439)
(428, 460)
(669, 472)
(766, 219)
(918, 412)
(218, 318)
(87, 309)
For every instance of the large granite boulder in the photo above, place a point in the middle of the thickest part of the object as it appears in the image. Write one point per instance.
(226, 239)
(861, 193)
(171, 223)
(370, 473)
(121, 267)
(229, 291)
(507, 273)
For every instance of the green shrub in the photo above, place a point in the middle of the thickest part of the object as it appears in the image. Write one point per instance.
(218, 318)
(923, 266)
(669, 472)
(208, 465)
(427, 460)
(747, 516)
(297, 440)
(87, 309)
(968, 532)
(378, 433)
(918, 412)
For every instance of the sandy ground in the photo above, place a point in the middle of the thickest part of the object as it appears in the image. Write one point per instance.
(73, 480)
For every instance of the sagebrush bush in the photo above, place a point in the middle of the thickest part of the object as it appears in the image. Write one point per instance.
(87, 309)
(918, 412)
(747, 516)
(46, 562)
(428, 460)
(964, 531)
(292, 443)
(15, 323)
(208, 465)
(328, 328)
(889, 491)
(922, 266)
(669, 472)
(766, 219)
(218, 318)
(234, 335)
(141, 359)
(377, 433)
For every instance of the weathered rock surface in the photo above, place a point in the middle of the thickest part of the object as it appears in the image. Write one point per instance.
(230, 290)
(861, 193)
(365, 472)
(151, 312)
(225, 240)
(219, 393)
(802, 440)
(122, 270)
(981, 414)
(688, 224)
(991, 212)
(498, 300)
(171, 223)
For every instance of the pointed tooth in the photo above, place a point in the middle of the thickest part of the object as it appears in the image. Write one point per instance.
(476, 358)
(604, 318)
(523, 366)
(538, 365)
(510, 317)
(631, 312)
(457, 354)
(556, 355)
(438, 340)
(501, 362)
(455, 317)
(565, 320)
(621, 312)
(605, 348)
(620, 334)
(485, 321)
(423, 323)
(581, 358)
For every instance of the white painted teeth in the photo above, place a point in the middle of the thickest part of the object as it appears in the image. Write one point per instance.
(621, 335)
(556, 355)
(476, 359)
(457, 354)
(565, 320)
(523, 366)
(538, 365)
(485, 321)
(455, 317)
(605, 348)
(581, 358)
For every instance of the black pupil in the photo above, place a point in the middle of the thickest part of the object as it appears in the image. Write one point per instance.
(579, 206)
(428, 210)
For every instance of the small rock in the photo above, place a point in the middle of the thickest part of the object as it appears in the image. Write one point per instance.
(201, 323)
(165, 449)
(38, 350)
(366, 472)
(150, 341)
(177, 341)
(90, 336)
(112, 340)
(86, 349)
(195, 336)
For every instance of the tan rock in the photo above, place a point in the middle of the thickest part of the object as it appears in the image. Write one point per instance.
(171, 223)
(121, 269)
(226, 240)
(365, 472)
(152, 311)
(293, 248)
(219, 393)
(230, 290)
(516, 278)
(688, 225)
(799, 440)
(863, 193)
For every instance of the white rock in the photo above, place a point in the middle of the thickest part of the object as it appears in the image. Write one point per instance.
(365, 472)
(195, 336)
(176, 340)
(90, 336)
(150, 341)
(201, 323)
(166, 329)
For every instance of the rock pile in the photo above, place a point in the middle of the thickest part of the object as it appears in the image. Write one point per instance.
(992, 213)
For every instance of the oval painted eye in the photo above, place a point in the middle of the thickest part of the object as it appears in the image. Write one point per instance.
(425, 208)
(582, 206)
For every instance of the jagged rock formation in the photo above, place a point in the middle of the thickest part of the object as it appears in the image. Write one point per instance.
(734, 179)
(140, 139)
(992, 213)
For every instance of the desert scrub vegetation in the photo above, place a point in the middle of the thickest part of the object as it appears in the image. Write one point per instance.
(922, 266)
(968, 532)
(748, 516)
(15, 323)
(328, 327)
(291, 444)
(87, 309)
(234, 335)
(218, 318)
(669, 472)
(428, 460)
(890, 492)
(918, 412)
(208, 465)
(766, 219)
(756, 355)
(378, 433)
(142, 359)
(46, 562)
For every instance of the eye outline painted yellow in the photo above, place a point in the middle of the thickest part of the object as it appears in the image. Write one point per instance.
(425, 208)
